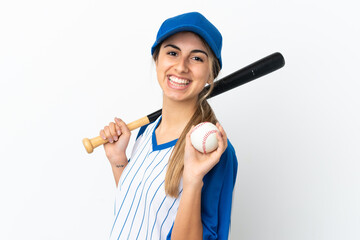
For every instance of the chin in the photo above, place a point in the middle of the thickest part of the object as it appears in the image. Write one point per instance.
(181, 98)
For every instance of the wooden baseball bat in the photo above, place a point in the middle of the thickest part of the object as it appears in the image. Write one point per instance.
(251, 72)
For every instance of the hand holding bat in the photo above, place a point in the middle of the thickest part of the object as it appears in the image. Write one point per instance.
(251, 72)
(118, 133)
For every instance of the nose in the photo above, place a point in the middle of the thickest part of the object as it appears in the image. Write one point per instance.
(182, 65)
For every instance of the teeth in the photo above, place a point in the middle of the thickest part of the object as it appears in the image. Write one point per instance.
(179, 80)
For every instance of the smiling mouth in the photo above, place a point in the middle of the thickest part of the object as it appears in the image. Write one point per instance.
(178, 82)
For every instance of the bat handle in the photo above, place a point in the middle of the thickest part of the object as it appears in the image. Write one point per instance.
(91, 144)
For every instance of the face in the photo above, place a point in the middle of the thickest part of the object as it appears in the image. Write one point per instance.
(183, 67)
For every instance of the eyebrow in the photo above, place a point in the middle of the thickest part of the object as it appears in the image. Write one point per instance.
(193, 51)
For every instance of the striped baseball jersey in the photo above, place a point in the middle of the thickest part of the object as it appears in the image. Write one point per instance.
(142, 209)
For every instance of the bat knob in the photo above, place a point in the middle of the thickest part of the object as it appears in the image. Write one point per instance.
(88, 145)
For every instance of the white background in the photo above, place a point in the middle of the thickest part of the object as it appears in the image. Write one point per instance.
(68, 67)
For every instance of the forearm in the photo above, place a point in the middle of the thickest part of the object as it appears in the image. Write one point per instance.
(117, 170)
(188, 223)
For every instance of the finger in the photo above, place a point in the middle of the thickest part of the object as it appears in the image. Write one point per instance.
(117, 128)
(123, 127)
(192, 129)
(188, 144)
(113, 131)
(108, 134)
(221, 144)
(190, 132)
(188, 135)
(223, 133)
(102, 134)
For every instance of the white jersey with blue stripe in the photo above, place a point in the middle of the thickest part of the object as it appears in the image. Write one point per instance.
(142, 209)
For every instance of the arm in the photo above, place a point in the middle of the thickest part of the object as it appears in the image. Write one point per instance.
(188, 223)
(118, 135)
(216, 197)
(117, 170)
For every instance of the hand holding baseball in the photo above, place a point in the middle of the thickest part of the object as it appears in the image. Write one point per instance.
(197, 164)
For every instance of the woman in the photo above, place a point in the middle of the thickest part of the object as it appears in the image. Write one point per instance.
(169, 190)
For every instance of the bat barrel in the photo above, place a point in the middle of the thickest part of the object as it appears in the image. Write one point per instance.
(249, 73)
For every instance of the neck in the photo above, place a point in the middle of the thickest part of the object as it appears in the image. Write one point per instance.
(175, 115)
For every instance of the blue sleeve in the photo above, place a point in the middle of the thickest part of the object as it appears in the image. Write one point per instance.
(217, 195)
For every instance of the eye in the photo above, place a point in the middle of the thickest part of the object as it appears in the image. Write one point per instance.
(172, 53)
(199, 59)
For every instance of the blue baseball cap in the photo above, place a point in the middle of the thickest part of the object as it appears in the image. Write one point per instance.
(193, 22)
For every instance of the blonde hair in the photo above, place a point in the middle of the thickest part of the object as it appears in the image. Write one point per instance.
(203, 113)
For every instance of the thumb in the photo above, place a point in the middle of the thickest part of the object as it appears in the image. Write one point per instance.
(188, 135)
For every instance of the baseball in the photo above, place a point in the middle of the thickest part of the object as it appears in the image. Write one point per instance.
(203, 137)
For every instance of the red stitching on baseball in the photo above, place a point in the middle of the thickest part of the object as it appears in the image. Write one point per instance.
(205, 138)
(199, 125)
